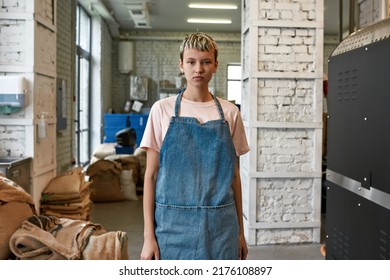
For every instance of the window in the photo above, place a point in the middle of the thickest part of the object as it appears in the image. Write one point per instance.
(234, 83)
(83, 57)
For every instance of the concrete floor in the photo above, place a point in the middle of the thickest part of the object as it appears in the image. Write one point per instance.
(127, 216)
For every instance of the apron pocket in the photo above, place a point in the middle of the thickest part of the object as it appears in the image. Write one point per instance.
(192, 232)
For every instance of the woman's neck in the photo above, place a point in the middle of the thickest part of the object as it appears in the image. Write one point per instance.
(197, 95)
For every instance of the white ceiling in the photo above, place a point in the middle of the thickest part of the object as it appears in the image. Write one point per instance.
(171, 15)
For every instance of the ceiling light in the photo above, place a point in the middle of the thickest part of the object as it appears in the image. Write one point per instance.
(213, 21)
(212, 6)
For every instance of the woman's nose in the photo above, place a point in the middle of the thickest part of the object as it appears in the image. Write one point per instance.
(198, 68)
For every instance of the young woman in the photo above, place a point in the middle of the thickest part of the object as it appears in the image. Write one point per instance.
(192, 189)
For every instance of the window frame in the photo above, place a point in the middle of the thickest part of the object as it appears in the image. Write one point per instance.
(83, 88)
(234, 80)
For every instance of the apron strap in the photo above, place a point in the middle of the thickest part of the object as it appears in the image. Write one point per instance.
(177, 104)
(178, 100)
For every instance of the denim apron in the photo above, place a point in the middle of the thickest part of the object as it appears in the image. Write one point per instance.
(195, 213)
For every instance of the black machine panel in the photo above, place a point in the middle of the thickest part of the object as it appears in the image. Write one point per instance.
(359, 115)
(358, 147)
(356, 228)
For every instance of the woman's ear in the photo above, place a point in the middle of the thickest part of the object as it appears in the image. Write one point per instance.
(216, 66)
(181, 66)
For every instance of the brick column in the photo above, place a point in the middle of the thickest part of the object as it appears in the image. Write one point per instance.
(282, 59)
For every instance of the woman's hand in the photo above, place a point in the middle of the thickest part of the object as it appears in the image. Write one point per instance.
(242, 248)
(150, 250)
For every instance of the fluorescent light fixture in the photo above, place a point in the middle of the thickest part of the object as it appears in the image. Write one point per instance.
(212, 6)
(205, 20)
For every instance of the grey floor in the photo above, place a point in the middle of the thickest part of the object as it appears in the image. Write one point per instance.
(127, 216)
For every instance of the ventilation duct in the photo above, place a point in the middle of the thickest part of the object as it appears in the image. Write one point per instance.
(140, 15)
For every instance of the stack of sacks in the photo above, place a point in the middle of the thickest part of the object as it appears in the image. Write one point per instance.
(67, 196)
(16, 205)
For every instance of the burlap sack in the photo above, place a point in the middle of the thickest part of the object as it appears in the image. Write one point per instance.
(128, 162)
(70, 182)
(105, 177)
(128, 186)
(52, 238)
(15, 206)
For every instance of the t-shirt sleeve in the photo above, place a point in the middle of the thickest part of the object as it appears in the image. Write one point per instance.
(236, 125)
(238, 134)
(152, 137)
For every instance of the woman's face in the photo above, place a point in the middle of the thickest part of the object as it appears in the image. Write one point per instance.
(198, 67)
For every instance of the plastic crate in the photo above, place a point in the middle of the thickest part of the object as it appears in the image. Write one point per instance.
(139, 133)
(117, 120)
(125, 120)
(138, 120)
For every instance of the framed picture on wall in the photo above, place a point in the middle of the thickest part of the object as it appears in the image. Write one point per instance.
(138, 88)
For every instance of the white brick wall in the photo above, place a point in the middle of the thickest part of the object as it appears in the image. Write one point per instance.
(286, 100)
(284, 236)
(285, 201)
(13, 6)
(287, 10)
(282, 109)
(281, 48)
(12, 139)
(12, 33)
(285, 150)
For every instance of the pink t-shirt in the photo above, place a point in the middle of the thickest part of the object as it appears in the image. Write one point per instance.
(162, 111)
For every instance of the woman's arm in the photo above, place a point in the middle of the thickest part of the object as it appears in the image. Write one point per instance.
(243, 249)
(150, 247)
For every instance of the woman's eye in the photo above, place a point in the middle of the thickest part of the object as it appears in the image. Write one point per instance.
(203, 62)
